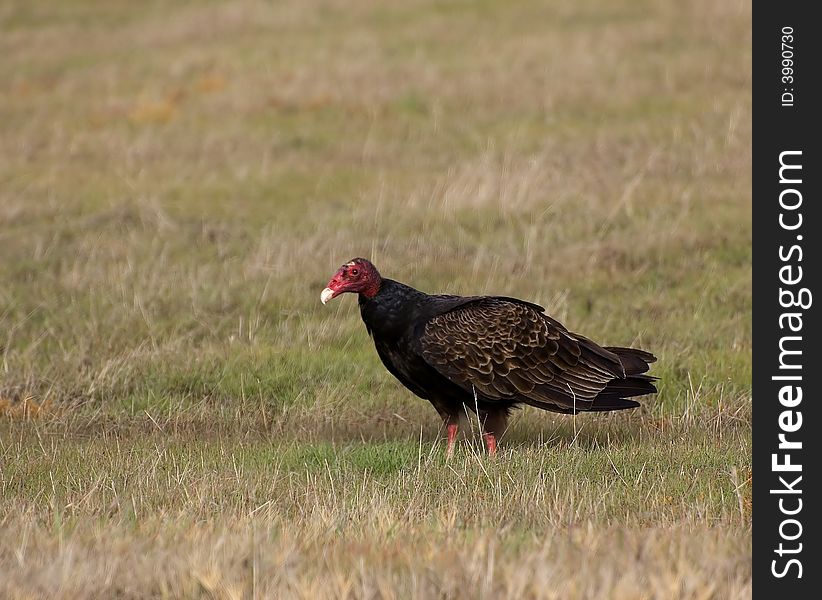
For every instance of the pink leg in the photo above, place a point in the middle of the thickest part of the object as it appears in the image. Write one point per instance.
(452, 437)
(490, 443)
(494, 423)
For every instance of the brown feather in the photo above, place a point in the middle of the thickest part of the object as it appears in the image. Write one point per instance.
(510, 351)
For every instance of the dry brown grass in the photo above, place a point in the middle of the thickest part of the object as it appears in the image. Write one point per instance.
(247, 558)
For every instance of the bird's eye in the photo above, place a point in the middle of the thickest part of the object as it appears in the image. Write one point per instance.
(355, 272)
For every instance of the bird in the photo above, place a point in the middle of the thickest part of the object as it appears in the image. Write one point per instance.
(489, 354)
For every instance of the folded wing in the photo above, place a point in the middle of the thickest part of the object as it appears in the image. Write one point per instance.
(510, 351)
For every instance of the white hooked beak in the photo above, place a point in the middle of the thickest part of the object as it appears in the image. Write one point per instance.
(326, 295)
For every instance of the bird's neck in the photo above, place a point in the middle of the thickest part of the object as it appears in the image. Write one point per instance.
(372, 289)
(391, 309)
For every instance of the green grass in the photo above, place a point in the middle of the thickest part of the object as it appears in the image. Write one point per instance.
(180, 417)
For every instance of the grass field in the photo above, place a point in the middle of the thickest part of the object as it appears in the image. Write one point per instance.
(181, 417)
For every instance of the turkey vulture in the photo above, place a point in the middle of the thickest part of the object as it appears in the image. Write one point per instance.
(489, 353)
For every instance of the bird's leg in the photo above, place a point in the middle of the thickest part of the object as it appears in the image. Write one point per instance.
(451, 429)
(450, 419)
(490, 443)
(494, 424)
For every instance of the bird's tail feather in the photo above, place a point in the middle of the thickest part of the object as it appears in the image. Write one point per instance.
(633, 360)
(615, 394)
(609, 404)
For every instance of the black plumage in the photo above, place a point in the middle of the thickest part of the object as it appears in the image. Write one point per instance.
(489, 353)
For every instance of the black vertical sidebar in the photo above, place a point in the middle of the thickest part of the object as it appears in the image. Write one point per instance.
(787, 543)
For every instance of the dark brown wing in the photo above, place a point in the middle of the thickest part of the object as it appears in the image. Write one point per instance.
(510, 351)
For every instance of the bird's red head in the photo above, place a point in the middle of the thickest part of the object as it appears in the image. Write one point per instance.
(357, 275)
